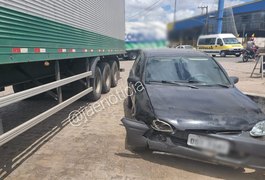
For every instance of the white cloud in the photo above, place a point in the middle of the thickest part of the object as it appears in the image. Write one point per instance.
(139, 18)
(138, 11)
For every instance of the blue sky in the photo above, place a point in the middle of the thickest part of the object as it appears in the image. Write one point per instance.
(162, 11)
(141, 18)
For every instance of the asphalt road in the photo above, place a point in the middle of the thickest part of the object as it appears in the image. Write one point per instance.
(93, 148)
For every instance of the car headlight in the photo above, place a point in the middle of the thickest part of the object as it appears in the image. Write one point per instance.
(162, 126)
(258, 130)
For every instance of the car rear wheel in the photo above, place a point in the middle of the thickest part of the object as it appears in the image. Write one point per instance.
(223, 54)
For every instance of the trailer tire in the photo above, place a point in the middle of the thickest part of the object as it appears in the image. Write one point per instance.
(115, 74)
(106, 77)
(96, 83)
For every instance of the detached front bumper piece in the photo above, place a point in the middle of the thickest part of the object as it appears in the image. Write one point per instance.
(245, 151)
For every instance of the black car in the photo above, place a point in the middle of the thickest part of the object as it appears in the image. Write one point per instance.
(182, 102)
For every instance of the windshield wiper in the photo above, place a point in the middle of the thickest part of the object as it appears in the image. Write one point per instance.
(221, 85)
(175, 83)
(193, 81)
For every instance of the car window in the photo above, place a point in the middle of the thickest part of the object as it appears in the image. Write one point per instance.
(219, 41)
(201, 42)
(202, 69)
(207, 41)
(231, 41)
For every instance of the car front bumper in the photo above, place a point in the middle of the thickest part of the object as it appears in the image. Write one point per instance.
(234, 52)
(245, 151)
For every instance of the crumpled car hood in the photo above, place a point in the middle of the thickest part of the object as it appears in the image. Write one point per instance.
(204, 108)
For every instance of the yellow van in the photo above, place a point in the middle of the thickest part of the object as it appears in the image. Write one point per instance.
(220, 44)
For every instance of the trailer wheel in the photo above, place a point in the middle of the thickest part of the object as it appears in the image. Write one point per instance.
(115, 74)
(106, 77)
(96, 83)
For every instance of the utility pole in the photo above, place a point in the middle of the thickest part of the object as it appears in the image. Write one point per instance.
(207, 16)
(220, 16)
(175, 11)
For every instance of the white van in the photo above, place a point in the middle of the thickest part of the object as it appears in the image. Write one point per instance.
(220, 44)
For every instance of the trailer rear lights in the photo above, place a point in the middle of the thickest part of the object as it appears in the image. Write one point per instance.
(20, 50)
(62, 50)
(39, 50)
(72, 50)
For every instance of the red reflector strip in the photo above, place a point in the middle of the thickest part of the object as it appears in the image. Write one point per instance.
(20, 50)
(62, 50)
(72, 50)
(16, 50)
(39, 50)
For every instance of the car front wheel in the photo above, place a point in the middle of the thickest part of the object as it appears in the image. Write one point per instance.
(223, 54)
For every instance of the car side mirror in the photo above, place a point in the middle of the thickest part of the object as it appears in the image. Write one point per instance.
(133, 79)
(234, 79)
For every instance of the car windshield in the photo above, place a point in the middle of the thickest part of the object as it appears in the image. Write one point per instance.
(231, 41)
(188, 47)
(199, 70)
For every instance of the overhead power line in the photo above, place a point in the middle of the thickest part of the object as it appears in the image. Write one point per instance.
(147, 9)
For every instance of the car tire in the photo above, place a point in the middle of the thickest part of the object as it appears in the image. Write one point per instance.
(238, 55)
(213, 55)
(96, 83)
(115, 73)
(106, 77)
(223, 54)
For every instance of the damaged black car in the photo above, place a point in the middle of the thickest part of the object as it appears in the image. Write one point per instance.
(182, 102)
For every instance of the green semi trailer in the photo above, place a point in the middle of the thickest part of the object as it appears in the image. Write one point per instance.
(47, 44)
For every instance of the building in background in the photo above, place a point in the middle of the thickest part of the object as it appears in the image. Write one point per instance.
(243, 21)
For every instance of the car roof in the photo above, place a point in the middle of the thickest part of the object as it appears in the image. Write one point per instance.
(227, 35)
(174, 52)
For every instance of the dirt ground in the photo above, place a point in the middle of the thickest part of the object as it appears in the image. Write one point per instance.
(93, 147)
(235, 67)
